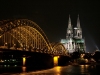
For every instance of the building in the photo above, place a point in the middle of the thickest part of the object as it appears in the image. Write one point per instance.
(74, 41)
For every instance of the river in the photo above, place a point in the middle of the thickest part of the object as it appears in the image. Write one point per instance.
(58, 70)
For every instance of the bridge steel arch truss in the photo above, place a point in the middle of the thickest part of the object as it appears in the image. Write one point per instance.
(59, 49)
(24, 34)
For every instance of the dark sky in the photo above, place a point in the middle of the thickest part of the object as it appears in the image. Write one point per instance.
(52, 17)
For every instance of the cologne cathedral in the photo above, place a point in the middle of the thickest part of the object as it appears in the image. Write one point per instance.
(74, 41)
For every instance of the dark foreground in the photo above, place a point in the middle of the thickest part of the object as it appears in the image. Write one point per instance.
(58, 70)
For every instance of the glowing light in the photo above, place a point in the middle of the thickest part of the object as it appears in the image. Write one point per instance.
(86, 66)
(86, 60)
(6, 43)
(24, 61)
(5, 65)
(1, 61)
(15, 65)
(0, 36)
(75, 28)
(55, 58)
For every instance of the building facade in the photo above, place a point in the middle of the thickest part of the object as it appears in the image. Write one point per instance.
(74, 41)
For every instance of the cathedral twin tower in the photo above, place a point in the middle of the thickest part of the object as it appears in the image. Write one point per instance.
(77, 30)
(74, 41)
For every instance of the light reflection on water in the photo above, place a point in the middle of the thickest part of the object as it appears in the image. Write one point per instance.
(52, 71)
(24, 69)
(84, 68)
(58, 70)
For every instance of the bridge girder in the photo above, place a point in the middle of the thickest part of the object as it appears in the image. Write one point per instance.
(27, 33)
(58, 48)
(22, 28)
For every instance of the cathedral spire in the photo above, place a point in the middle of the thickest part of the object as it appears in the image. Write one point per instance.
(78, 31)
(69, 23)
(69, 29)
(78, 22)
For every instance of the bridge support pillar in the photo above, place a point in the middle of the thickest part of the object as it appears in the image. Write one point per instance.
(24, 61)
(55, 60)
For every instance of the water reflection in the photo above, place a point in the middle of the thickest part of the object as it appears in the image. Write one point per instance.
(84, 68)
(58, 70)
(52, 71)
(24, 69)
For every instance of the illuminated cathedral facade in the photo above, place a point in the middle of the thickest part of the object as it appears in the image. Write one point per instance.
(74, 41)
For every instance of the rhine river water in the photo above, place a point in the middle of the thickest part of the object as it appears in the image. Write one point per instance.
(58, 70)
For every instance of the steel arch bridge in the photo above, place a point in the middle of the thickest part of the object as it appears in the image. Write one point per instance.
(24, 34)
(59, 48)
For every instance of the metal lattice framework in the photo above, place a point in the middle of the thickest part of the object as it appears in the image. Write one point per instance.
(23, 34)
(58, 48)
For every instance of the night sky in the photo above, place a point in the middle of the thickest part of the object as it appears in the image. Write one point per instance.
(52, 17)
